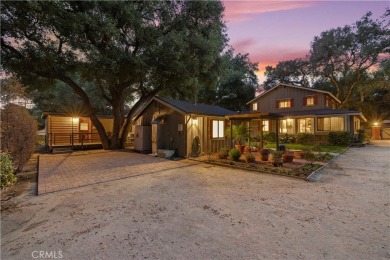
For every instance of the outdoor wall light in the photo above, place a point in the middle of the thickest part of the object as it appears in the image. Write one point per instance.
(195, 121)
(375, 123)
(75, 119)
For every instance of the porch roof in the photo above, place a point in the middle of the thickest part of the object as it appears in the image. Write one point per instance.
(253, 115)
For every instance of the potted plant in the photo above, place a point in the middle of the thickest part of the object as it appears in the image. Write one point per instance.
(264, 154)
(234, 154)
(223, 153)
(250, 158)
(288, 156)
(277, 159)
(298, 154)
(240, 132)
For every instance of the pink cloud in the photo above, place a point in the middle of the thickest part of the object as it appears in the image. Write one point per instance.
(236, 11)
(241, 45)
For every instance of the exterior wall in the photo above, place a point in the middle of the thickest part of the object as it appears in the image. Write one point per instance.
(267, 103)
(170, 137)
(60, 129)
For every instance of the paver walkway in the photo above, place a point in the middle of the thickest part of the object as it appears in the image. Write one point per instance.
(65, 171)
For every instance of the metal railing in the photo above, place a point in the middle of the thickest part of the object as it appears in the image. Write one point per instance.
(72, 139)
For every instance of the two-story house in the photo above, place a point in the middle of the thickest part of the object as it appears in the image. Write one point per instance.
(305, 110)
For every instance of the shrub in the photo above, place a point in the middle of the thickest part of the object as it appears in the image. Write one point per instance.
(6, 171)
(223, 153)
(269, 137)
(360, 137)
(234, 154)
(341, 138)
(18, 134)
(304, 138)
(249, 156)
(287, 139)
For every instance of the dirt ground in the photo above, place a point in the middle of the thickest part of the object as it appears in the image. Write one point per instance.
(204, 212)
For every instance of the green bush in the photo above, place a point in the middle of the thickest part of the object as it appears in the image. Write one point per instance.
(304, 138)
(223, 153)
(18, 134)
(340, 138)
(309, 156)
(234, 154)
(6, 171)
(287, 139)
(269, 137)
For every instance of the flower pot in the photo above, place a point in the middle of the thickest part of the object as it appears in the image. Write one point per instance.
(264, 157)
(247, 149)
(240, 148)
(277, 162)
(288, 158)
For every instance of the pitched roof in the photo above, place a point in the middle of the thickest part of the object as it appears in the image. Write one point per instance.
(200, 109)
(292, 86)
(323, 112)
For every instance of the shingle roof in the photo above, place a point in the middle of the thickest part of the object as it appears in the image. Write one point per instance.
(201, 109)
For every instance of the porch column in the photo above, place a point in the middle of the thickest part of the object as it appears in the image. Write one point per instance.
(231, 133)
(261, 134)
(277, 134)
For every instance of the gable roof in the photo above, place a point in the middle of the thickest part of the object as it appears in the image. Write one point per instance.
(185, 107)
(292, 86)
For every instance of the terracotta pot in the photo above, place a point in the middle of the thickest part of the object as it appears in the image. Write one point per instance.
(264, 157)
(247, 149)
(240, 148)
(277, 162)
(288, 158)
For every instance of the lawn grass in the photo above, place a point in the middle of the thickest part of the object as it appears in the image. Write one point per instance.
(324, 148)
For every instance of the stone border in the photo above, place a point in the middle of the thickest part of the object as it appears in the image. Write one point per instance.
(249, 169)
(314, 176)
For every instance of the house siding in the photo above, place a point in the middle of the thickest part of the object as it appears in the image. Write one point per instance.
(267, 103)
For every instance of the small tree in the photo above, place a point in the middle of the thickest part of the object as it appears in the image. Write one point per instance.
(18, 134)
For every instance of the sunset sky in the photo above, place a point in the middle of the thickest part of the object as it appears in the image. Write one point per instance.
(272, 31)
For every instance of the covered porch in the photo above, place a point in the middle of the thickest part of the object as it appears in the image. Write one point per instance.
(249, 118)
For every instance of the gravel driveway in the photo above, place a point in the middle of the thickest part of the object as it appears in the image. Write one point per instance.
(205, 212)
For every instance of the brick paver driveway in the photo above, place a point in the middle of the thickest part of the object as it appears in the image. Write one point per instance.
(76, 169)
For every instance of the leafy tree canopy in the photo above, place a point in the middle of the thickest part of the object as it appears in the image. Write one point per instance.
(122, 50)
(340, 60)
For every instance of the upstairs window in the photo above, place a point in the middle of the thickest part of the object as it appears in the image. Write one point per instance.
(285, 103)
(310, 101)
(254, 106)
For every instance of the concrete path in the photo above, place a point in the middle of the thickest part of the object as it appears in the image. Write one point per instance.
(72, 170)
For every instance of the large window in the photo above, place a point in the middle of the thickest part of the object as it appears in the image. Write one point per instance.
(330, 124)
(286, 126)
(218, 128)
(266, 125)
(305, 125)
(285, 103)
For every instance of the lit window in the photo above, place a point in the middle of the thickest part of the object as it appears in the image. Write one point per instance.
(265, 125)
(284, 103)
(286, 126)
(330, 124)
(254, 106)
(84, 127)
(305, 125)
(309, 101)
(218, 127)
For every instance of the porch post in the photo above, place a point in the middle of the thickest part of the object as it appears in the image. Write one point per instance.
(231, 133)
(261, 134)
(277, 134)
